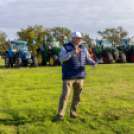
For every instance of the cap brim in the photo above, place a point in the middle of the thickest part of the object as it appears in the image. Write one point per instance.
(77, 37)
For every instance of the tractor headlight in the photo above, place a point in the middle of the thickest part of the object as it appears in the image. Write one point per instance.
(28, 54)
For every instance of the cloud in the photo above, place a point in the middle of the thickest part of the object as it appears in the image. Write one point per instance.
(86, 16)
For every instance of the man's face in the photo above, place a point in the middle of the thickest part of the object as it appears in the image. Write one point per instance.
(76, 41)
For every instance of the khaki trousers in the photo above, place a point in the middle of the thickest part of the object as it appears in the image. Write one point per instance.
(67, 84)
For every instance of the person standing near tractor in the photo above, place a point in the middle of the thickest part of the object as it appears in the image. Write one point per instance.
(74, 57)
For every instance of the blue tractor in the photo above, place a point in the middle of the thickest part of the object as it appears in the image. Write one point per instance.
(19, 54)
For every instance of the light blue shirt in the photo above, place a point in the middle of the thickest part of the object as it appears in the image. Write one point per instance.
(65, 56)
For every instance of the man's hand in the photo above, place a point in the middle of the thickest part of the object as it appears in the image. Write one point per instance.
(94, 64)
(77, 50)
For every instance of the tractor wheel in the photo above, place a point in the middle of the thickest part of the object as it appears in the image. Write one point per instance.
(132, 57)
(122, 57)
(108, 58)
(25, 65)
(18, 62)
(40, 57)
(35, 62)
(53, 60)
(59, 63)
(7, 60)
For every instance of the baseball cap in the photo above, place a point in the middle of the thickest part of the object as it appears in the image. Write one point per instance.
(77, 35)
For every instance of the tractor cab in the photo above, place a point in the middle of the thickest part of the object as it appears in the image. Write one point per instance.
(131, 44)
(126, 44)
(17, 46)
(106, 44)
(23, 47)
(123, 45)
(13, 47)
(103, 45)
(130, 50)
(50, 44)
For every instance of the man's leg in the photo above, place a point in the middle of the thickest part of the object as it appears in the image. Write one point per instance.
(67, 84)
(76, 97)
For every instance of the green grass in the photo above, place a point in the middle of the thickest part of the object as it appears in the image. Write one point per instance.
(29, 100)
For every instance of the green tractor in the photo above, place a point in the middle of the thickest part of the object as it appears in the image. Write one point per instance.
(104, 48)
(127, 46)
(48, 52)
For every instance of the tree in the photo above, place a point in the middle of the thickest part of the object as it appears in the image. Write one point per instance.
(113, 33)
(86, 38)
(2, 41)
(110, 33)
(122, 33)
(40, 33)
(37, 33)
(27, 34)
(60, 32)
(48, 32)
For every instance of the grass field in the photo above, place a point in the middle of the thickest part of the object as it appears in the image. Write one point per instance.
(29, 100)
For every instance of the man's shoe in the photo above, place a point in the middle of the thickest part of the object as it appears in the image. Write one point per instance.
(74, 117)
(59, 118)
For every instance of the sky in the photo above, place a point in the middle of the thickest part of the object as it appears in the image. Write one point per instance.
(86, 16)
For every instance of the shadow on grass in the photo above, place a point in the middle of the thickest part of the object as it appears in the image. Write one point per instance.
(13, 117)
(22, 122)
(29, 66)
(2, 66)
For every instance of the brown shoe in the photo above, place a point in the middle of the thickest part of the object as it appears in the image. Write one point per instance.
(59, 118)
(74, 117)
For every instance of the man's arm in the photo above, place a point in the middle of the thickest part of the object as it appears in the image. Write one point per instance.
(64, 55)
(89, 59)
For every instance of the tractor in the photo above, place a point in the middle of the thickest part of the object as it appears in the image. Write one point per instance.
(104, 48)
(95, 52)
(127, 46)
(48, 52)
(19, 54)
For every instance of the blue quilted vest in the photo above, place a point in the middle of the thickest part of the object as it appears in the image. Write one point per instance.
(74, 67)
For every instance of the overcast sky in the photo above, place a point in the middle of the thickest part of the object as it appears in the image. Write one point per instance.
(87, 16)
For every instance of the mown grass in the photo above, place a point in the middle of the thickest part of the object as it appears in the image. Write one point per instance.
(29, 100)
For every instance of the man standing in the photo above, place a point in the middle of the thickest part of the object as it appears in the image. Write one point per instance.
(74, 57)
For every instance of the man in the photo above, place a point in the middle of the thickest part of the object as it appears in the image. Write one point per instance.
(74, 57)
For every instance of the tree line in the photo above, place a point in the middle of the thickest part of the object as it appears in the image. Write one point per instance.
(38, 33)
